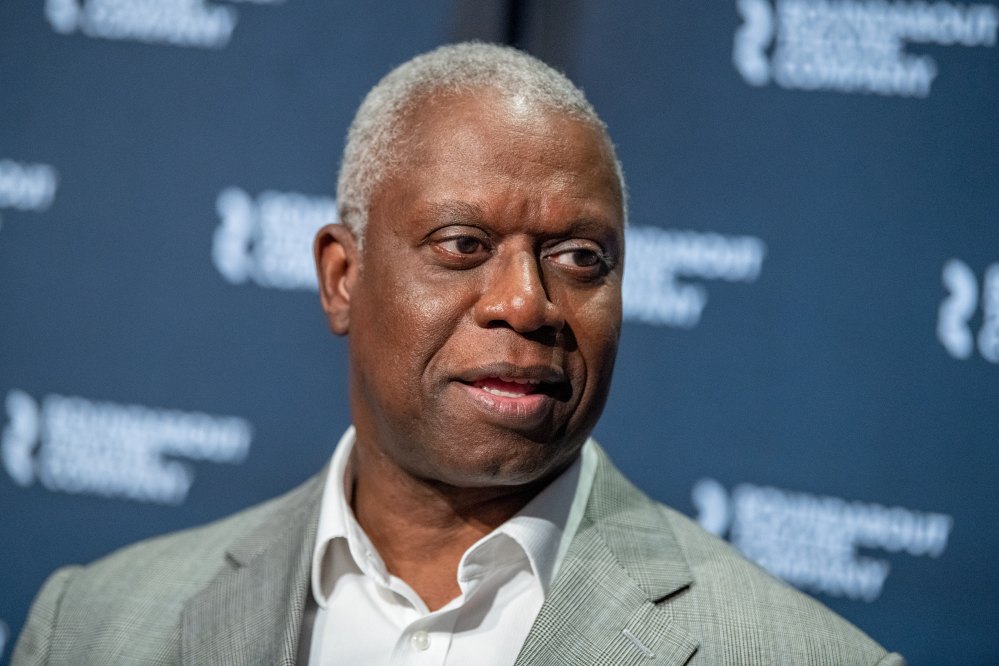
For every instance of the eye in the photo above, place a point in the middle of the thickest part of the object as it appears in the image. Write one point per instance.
(462, 245)
(578, 258)
(584, 259)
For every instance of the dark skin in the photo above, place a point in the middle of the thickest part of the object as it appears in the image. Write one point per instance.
(483, 317)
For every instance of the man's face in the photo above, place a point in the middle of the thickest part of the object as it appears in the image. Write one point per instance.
(485, 316)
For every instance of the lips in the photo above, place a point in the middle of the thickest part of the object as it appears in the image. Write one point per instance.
(507, 387)
(514, 396)
(511, 377)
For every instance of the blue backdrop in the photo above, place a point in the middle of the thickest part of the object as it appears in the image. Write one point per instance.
(810, 360)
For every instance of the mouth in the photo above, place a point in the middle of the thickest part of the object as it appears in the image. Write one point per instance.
(506, 380)
(507, 387)
(515, 396)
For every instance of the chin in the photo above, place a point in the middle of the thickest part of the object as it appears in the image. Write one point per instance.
(495, 467)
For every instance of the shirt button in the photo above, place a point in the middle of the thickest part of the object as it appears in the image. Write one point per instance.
(420, 640)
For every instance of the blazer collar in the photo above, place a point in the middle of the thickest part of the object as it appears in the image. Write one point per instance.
(252, 611)
(609, 603)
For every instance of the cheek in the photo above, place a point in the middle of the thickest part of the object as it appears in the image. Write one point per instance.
(596, 324)
(415, 316)
(595, 315)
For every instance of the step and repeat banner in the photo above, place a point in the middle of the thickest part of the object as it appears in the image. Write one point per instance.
(810, 359)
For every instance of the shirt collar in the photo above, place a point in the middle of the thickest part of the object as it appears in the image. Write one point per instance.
(542, 530)
(337, 521)
(546, 525)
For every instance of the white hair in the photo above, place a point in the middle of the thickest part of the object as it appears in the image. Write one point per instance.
(375, 135)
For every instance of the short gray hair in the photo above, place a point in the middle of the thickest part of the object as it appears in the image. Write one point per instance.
(370, 154)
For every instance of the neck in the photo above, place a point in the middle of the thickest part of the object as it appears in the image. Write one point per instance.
(421, 528)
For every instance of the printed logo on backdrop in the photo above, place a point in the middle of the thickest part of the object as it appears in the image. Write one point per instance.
(813, 542)
(76, 445)
(657, 259)
(954, 328)
(267, 240)
(185, 23)
(854, 46)
(26, 187)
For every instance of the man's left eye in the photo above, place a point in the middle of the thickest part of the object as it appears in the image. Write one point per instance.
(580, 258)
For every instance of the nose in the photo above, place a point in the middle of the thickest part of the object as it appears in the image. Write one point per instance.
(515, 296)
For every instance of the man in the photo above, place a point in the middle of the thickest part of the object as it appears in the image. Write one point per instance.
(466, 518)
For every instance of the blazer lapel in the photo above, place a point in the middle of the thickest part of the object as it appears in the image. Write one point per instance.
(251, 613)
(609, 602)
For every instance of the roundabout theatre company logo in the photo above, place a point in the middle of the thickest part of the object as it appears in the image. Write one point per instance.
(854, 46)
(80, 446)
(954, 319)
(813, 542)
(25, 187)
(186, 23)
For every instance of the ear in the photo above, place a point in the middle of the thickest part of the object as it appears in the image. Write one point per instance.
(337, 266)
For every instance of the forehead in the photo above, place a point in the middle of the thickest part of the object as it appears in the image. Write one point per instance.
(482, 141)
(501, 123)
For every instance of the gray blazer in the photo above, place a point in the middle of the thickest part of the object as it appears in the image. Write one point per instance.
(640, 584)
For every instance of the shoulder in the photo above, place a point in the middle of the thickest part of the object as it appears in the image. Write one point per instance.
(141, 589)
(745, 615)
(737, 612)
(184, 561)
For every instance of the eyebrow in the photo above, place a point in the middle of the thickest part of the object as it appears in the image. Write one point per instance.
(453, 209)
(457, 211)
(465, 210)
(589, 225)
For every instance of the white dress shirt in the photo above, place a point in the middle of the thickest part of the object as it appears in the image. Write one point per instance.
(366, 615)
